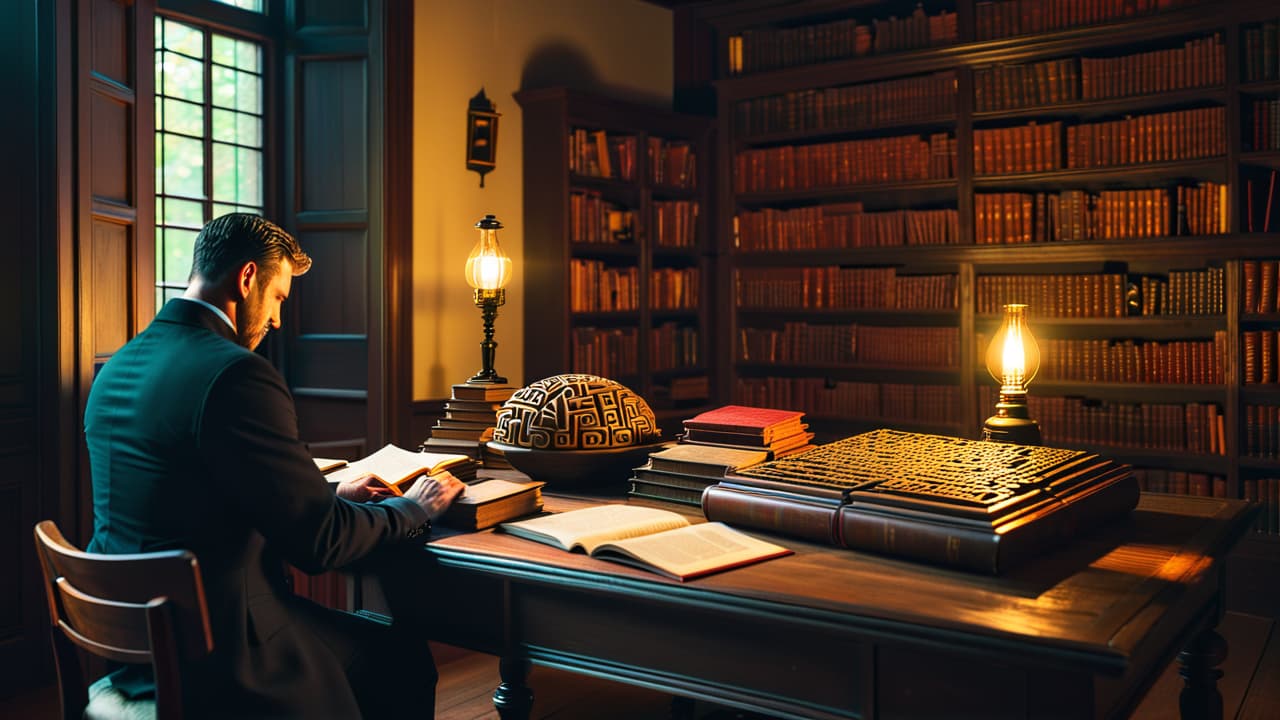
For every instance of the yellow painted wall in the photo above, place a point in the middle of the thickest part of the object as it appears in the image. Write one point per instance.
(619, 46)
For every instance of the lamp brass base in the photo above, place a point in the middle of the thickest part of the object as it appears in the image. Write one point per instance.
(488, 301)
(1012, 424)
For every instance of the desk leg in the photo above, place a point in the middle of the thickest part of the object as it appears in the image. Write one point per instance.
(1200, 698)
(513, 699)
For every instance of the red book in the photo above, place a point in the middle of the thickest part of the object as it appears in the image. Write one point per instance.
(766, 422)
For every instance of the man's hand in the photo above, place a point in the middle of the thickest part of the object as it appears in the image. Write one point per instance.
(363, 489)
(434, 493)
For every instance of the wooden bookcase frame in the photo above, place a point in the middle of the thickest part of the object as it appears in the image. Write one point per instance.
(549, 116)
(708, 28)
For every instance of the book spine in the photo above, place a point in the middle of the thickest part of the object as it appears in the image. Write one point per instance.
(772, 513)
(965, 548)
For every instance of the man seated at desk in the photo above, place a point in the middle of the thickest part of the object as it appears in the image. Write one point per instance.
(193, 443)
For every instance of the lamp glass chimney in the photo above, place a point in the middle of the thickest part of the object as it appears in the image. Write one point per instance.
(1013, 358)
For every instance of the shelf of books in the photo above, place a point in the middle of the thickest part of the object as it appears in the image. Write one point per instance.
(892, 173)
(617, 246)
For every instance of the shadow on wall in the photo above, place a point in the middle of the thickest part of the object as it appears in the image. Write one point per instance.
(561, 64)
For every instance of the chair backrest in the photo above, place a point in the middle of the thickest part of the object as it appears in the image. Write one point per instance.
(138, 608)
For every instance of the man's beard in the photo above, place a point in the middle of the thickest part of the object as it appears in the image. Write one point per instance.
(251, 324)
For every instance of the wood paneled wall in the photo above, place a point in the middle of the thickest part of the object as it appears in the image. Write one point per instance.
(115, 196)
(333, 185)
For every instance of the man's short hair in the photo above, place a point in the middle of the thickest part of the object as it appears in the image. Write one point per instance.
(226, 243)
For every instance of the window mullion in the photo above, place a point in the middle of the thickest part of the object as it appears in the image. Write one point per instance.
(208, 125)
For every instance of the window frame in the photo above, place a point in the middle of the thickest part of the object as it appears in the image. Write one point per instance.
(263, 29)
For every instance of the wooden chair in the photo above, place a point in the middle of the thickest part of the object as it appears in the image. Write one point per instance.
(140, 608)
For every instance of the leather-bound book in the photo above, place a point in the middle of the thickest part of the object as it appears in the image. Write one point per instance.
(765, 423)
(795, 514)
(968, 504)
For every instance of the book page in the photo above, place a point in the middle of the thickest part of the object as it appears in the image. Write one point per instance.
(394, 465)
(324, 465)
(691, 551)
(589, 527)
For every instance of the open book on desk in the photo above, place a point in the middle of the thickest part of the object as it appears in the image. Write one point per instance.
(652, 539)
(397, 468)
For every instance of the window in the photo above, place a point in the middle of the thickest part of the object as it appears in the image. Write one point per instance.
(251, 5)
(209, 139)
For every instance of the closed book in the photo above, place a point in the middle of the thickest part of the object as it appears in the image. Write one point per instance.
(457, 433)
(988, 547)
(470, 448)
(472, 406)
(655, 491)
(765, 422)
(968, 504)
(809, 518)
(450, 423)
(779, 445)
(489, 502)
(707, 461)
(487, 419)
(488, 393)
(672, 479)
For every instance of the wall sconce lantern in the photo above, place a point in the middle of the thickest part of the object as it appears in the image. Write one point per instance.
(1013, 359)
(482, 135)
(488, 271)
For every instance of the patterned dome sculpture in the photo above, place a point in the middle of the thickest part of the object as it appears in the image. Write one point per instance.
(574, 413)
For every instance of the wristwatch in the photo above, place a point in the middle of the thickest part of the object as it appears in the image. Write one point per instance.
(421, 530)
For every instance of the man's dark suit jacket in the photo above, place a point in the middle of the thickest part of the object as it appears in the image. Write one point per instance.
(193, 443)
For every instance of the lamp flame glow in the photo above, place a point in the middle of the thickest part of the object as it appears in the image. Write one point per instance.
(1013, 358)
(488, 267)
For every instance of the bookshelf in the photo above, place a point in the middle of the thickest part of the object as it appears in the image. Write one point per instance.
(1112, 159)
(618, 258)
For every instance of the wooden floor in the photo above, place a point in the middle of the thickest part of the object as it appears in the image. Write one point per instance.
(1250, 687)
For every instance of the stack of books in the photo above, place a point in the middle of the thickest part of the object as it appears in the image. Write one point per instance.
(681, 472)
(779, 432)
(469, 418)
(966, 504)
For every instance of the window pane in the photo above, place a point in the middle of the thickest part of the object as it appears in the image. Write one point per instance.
(249, 167)
(183, 163)
(224, 50)
(182, 38)
(220, 209)
(249, 56)
(252, 5)
(182, 77)
(182, 117)
(239, 128)
(236, 90)
(249, 129)
(248, 92)
(224, 208)
(183, 213)
(236, 53)
(177, 244)
(237, 175)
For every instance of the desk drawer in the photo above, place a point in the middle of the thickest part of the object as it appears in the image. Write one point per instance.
(693, 650)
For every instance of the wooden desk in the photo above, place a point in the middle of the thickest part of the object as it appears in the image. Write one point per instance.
(830, 633)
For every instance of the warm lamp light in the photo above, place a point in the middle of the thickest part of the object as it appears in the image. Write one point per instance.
(1013, 360)
(488, 270)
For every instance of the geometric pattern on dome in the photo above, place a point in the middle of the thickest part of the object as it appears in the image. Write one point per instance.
(575, 412)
